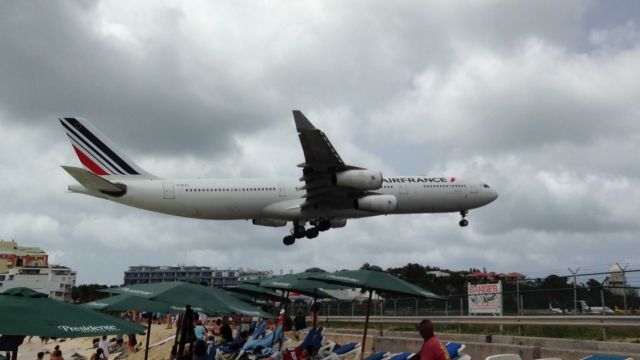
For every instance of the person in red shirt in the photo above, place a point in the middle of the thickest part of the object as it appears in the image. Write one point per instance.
(432, 348)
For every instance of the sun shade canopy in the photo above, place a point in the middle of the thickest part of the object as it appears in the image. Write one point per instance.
(27, 312)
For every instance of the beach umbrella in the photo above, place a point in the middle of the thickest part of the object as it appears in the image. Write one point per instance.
(28, 312)
(372, 278)
(255, 291)
(25, 312)
(192, 296)
(210, 300)
(125, 302)
(301, 283)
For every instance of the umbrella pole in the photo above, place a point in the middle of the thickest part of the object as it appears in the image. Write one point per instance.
(273, 340)
(314, 315)
(366, 325)
(146, 348)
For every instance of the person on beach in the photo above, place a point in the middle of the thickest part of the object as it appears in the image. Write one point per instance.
(98, 355)
(56, 354)
(300, 321)
(104, 345)
(225, 331)
(432, 348)
(200, 331)
(40, 356)
(215, 329)
(132, 343)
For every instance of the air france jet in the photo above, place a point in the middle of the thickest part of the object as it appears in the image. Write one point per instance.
(327, 194)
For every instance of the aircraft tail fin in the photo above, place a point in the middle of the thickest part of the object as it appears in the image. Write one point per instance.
(98, 154)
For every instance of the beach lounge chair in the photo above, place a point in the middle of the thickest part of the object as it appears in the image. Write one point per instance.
(342, 352)
(251, 344)
(503, 357)
(266, 342)
(259, 330)
(606, 357)
(401, 356)
(455, 351)
(380, 355)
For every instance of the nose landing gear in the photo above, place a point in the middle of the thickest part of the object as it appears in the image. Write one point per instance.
(464, 222)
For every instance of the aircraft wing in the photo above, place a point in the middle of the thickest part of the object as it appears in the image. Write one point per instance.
(322, 161)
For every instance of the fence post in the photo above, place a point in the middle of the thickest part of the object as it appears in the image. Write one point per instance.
(624, 290)
(518, 296)
(575, 291)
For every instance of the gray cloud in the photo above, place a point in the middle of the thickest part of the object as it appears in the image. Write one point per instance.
(539, 99)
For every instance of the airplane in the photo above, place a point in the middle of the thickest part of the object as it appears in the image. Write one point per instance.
(556, 310)
(586, 309)
(328, 193)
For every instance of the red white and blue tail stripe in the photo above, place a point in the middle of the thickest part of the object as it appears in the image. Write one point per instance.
(97, 154)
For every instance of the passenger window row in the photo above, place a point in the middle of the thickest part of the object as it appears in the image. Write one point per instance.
(230, 189)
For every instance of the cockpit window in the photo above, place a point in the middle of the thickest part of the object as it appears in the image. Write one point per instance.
(486, 186)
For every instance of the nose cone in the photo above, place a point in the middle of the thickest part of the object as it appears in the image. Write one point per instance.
(492, 195)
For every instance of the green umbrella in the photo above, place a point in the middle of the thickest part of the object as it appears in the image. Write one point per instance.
(301, 283)
(125, 302)
(209, 300)
(27, 312)
(255, 291)
(373, 278)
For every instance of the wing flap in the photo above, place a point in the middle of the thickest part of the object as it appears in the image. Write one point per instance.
(92, 181)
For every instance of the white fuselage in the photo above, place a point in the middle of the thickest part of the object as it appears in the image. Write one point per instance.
(255, 198)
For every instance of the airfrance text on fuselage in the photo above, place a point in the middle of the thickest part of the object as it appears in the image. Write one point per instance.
(418, 180)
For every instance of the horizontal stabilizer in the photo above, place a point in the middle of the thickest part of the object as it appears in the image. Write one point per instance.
(92, 181)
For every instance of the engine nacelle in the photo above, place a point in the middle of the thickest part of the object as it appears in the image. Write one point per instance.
(338, 223)
(377, 203)
(359, 179)
(270, 222)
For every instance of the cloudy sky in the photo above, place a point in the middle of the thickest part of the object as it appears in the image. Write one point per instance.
(540, 99)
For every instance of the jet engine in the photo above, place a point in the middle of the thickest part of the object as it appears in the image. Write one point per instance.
(359, 179)
(270, 222)
(377, 203)
(338, 223)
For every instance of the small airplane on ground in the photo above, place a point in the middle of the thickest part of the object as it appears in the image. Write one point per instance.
(595, 310)
(620, 311)
(556, 310)
(327, 194)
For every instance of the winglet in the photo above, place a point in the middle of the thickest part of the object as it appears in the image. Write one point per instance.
(302, 123)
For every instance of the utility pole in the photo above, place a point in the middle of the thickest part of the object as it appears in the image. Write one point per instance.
(575, 291)
(624, 282)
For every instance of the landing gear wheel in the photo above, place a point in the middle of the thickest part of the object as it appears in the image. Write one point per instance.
(324, 225)
(464, 221)
(312, 233)
(298, 231)
(288, 240)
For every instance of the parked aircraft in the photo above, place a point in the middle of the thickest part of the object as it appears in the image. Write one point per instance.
(556, 310)
(596, 310)
(327, 194)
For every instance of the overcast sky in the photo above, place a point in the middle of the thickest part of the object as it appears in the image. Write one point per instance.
(540, 99)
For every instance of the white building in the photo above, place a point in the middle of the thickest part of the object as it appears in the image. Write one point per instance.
(55, 281)
(617, 282)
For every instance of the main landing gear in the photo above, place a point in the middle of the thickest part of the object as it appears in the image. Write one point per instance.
(299, 231)
(464, 222)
